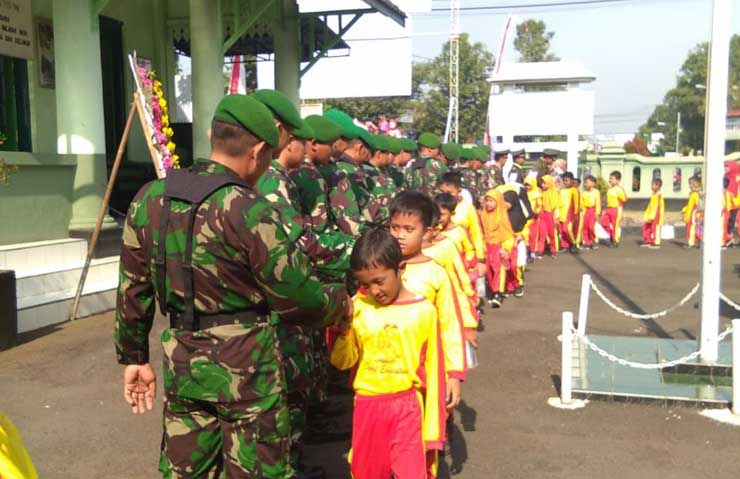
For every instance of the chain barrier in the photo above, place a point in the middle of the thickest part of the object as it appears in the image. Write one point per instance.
(631, 364)
(729, 302)
(644, 316)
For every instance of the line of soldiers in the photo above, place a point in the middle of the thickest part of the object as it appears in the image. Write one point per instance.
(247, 254)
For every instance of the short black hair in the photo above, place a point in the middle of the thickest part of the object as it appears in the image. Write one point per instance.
(413, 203)
(436, 213)
(696, 179)
(568, 175)
(590, 178)
(446, 201)
(725, 182)
(376, 248)
(616, 175)
(451, 178)
(658, 181)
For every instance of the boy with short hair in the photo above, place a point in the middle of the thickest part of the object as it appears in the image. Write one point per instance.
(534, 194)
(615, 200)
(653, 217)
(590, 212)
(394, 342)
(693, 214)
(548, 217)
(447, 205)
(569, 208)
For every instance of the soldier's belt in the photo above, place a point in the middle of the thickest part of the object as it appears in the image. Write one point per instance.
(206, 321)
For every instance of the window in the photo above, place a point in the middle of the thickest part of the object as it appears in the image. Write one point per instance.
(697, 172)
(656, 174)
(636, 173)
(677, 180)
(15, 118)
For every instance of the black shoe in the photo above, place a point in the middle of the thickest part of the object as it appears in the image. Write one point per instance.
(496, 301)
(573, 250)
(519, 292)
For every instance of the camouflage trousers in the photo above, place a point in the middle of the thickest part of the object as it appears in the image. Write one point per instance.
(296, 349)
(225, 410)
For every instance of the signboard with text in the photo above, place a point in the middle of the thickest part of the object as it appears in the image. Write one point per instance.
(16, 30)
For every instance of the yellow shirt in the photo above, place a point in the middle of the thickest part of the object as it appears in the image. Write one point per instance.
(459, 236)
(446, 255)
(615, 197)
(432, 281)
(467, 217)
(655, 209)
(691, 206)
(396, 348)
(569, 203)
(591, 199)
(14, 460)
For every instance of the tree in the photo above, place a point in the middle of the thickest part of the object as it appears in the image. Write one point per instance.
(432, 92)
(371, 108)
(688, 97)
(637, 145)
(533, 41)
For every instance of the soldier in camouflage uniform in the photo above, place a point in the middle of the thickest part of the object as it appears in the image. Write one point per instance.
(392, 170)
(433, 168)
(402, 160)
(517, 168)
(413, 175)
(379, 181)
(496, 173)
(468, 175)
(219, 262)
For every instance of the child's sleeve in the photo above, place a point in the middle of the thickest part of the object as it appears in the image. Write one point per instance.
(451, 323)
(434, 399)
(346, 349)
(468, 250)
(662, 209)
(565, 204)
(650, 211)
(622, 195)
(476, 233)
(598, 203)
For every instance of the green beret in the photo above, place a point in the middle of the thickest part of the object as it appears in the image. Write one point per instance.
(407, 144)
(486, 149)
(381, 143)
(305, 132)
(251, 115)
(482, 154)
(468, 154)
(324, 130)
(282, 108)
(394, 145)
(430, 140)
(349, 130)
(451, 151)
(367, 138)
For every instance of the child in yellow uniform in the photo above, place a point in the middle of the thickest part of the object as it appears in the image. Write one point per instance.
(534, 193)
(569, 211)
(653, 217)
(466, 216)
(590, 212)
(693, 214)
(395, 346)
(500, 244)
(615, 200)
(549, 216)
(449, 229)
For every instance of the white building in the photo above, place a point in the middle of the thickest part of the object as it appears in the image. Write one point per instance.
(542, 105)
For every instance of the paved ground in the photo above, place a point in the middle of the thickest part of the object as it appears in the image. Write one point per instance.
(62, 388)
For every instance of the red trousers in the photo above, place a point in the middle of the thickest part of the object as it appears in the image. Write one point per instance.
(387, 437)
(502, 275)
(651, 233)
(534, 236)
(611, 220)
(568, 232)
(548, 232)
(589, 226)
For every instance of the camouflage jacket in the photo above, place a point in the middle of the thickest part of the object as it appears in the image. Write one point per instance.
(343, 205)
(495, 177)
(242, 256)
(396, 174)
(330, 254)
(470, 181)
(413, 175)
(313, 196)
(370, 209)
(433, 171)
(380, 183)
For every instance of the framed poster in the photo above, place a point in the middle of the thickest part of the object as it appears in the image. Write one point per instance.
(45, 52)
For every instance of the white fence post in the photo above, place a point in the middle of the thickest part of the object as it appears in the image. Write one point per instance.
(566, 370)
(583, 306)
(736, 367)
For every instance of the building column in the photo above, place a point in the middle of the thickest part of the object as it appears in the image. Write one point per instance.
(572, 145)
(79, 102)
(206, 43)
(286, 40)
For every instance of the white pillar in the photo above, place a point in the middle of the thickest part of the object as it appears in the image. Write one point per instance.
(566, 360)
(715, 130)
(583, 306)
(572, 145)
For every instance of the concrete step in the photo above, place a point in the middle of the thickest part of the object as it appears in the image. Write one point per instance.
(41, 256)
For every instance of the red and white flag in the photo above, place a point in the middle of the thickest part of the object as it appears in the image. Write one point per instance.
(238, 82)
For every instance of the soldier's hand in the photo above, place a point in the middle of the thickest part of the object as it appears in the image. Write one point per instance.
(139, 387)
(471, 335)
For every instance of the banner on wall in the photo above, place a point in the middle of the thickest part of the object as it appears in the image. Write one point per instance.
(16, 29)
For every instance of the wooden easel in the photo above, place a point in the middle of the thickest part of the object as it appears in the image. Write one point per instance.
(136, 106)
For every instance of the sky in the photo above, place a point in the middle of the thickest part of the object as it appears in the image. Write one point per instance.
(635, 48)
